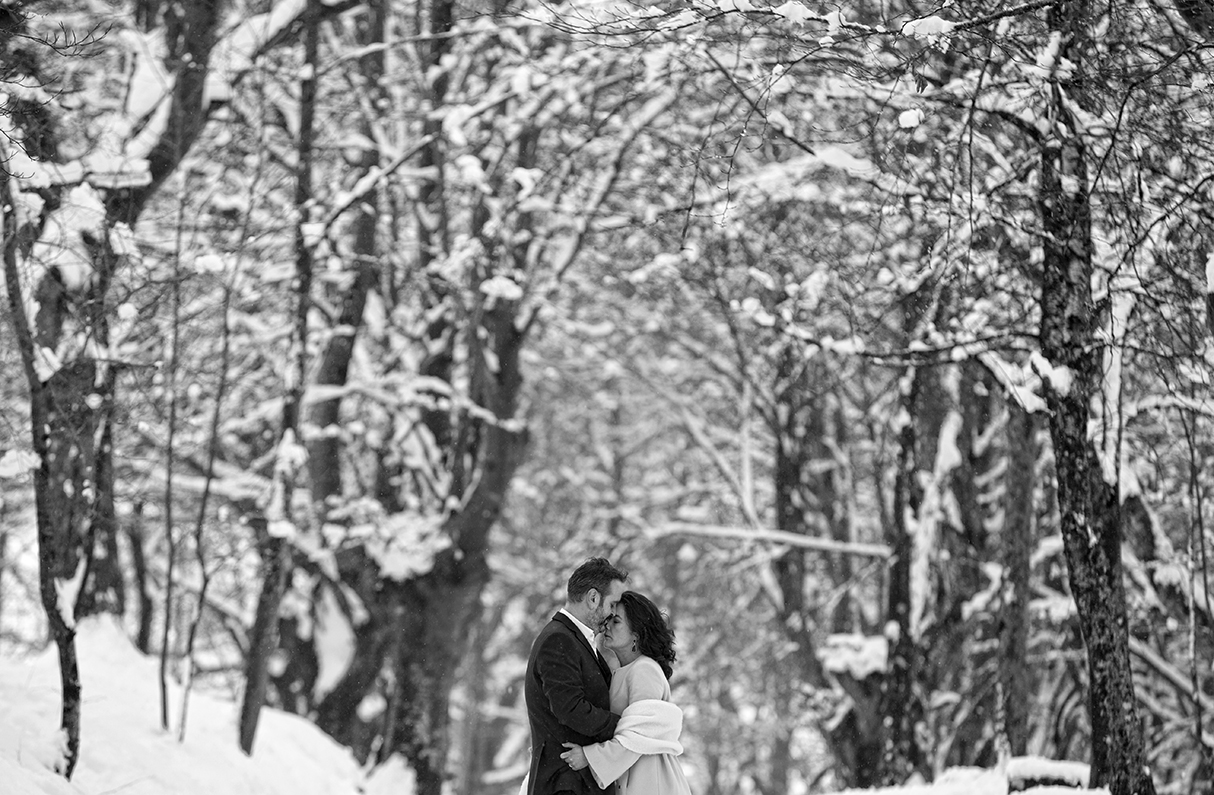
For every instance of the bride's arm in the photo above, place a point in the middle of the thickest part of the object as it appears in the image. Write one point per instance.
(609, 760)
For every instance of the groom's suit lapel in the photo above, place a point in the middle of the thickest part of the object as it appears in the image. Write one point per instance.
(603, 667)
(577, 633)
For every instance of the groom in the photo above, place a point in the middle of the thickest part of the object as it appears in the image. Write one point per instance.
(568, 682)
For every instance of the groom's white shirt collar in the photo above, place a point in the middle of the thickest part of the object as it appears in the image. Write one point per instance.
(585, 630)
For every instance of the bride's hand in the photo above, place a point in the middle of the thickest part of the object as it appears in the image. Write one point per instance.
(575, 757)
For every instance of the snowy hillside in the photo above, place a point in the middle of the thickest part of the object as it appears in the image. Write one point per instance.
(123, 749)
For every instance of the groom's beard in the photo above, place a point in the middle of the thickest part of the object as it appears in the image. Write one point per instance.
(600, 624)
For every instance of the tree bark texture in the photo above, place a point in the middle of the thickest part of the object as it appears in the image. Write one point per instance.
(798, 427)
(263, 638)
(147, 610)
(979, 403)
(105, 589)
(1016, 545)
(833, 488)
(1089, 507)
(899, 757)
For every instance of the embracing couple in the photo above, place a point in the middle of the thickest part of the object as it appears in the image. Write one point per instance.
(598, 727)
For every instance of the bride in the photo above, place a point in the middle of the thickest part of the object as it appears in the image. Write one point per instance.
(641, 755)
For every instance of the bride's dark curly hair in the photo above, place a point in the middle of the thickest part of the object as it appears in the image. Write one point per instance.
(655, 638)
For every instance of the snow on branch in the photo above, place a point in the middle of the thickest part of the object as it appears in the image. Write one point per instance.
(98, 169)
(16, 463)
(1019, 383)
(614, 19)
(423, 391)
(609, 175)
(238, 51)
(67, 592)
(369, 181)
(1038, 769)
(1197, 405)
(858, 656)
(932, 29)
(1015, 11)
(798, 177)
(783, 537)
(1059, 377)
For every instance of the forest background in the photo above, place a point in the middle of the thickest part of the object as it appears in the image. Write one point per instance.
(873, 340)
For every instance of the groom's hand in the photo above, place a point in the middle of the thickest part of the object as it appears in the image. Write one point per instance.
(575, 757)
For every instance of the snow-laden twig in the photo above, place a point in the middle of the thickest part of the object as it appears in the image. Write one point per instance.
(782, 537)
(370, 181)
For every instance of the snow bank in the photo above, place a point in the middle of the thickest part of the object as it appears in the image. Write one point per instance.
(978, 781)
(124, 750)
(957, 781)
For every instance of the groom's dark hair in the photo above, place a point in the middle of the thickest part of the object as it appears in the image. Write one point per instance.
(597, 573)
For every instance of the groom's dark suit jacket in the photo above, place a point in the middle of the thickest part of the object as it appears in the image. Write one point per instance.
(568, 700)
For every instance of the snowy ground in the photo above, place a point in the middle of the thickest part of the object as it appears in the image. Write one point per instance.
(976, 781)
(124, 751)
(969, 781)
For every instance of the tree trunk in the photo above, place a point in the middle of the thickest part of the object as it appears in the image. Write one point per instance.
(263, 638)
(472, 750)
(832, 487)
(416, 632)
(1016, 543)
(441, 607)
(916, 585)
(324, 452)
(134, 537)
(104, 589)
(797, 419)
(296, 684)
(917, 588)
(798, 427)
(1089, 506)
(78, 398)
(58, 551)
(897, 752)
(375, 645)
(276, 548)
(978, 400)
(3, 564)
(190, 33)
